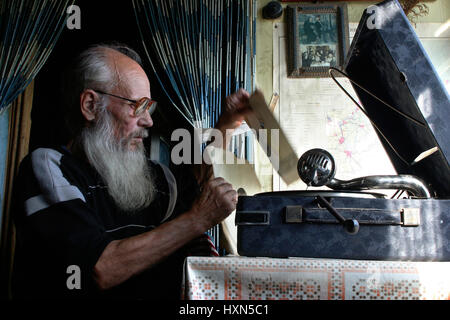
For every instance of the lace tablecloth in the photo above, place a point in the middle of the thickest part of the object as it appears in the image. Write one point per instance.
(242, 278)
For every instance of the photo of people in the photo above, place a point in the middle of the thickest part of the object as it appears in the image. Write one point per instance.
(318, 39)
(317, 28)
(318, 55)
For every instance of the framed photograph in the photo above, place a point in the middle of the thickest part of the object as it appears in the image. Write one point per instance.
(317, 39)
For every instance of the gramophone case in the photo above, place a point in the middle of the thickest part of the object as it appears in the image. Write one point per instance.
(295, 224)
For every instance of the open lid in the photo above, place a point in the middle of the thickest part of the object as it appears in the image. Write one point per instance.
(387, 59)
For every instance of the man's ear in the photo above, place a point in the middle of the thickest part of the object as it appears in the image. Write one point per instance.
(88, 99)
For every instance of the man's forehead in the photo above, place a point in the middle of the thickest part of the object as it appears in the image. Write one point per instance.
(130, 75)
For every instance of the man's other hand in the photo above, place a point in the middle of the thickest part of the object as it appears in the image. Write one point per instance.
(216, 201)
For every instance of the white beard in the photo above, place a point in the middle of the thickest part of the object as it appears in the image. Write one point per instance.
(125, 172)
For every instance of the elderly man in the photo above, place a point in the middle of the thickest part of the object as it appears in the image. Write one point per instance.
(95, 218)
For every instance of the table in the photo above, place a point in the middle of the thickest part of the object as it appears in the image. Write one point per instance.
(243, 278)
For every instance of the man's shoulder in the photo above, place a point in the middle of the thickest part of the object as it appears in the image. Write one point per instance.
(39, 158)
(52, 167)
(44, 179)
(43, 156)
(45, 160)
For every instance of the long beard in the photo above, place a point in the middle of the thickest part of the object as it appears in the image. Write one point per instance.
(125, 172)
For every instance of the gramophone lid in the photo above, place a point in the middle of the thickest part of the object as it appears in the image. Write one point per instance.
(388, 60)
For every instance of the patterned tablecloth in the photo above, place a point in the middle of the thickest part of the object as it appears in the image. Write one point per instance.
(242, 278)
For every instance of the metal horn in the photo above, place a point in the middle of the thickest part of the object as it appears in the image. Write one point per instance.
(316, 167)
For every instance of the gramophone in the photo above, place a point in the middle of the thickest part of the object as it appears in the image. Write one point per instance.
(408, 106)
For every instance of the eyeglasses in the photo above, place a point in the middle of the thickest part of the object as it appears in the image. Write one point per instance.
(140, 106)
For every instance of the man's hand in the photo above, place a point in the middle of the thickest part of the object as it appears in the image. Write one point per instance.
(217, 200)
(235, 110)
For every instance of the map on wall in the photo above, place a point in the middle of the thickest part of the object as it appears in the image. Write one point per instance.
(315, 113)
(347, 134)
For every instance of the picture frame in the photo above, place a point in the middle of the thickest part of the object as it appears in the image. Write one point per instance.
(318, 38)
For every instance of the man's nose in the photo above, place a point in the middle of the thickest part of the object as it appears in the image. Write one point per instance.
(145, 120)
